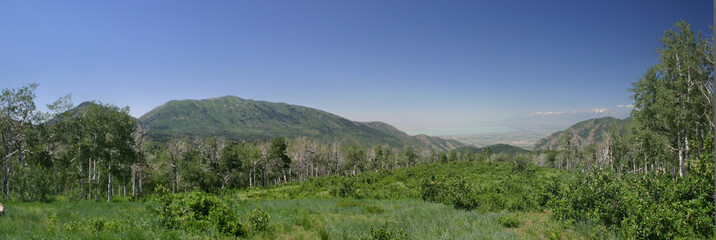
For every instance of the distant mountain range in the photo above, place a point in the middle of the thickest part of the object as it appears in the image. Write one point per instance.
(240, 119)
(584, 133)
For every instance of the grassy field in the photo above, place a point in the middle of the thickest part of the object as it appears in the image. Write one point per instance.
(290, 219)
(384, 205)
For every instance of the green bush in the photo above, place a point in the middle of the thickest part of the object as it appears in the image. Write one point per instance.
(201, 211)
(373, 209)
(34, 183)
(227, 221)
(259, 220)
(97, 225)
(645, 206)
(383, 233)
(509, 221)
(187, 211)
(454, 191)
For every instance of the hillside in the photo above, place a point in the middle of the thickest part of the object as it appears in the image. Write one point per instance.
(241, 119)
(584, 133)
(496, 149)
(72, 113)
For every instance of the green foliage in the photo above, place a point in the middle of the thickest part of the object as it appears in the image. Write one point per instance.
(555, 233)
(509, 221)
(651, 206)
(200, 211)
(373, 209)
(482, 186)
(97, 224)
(454, 191)
(227, 221)
(259, 220)
(384, 233)
(189, 211)
(34, 183)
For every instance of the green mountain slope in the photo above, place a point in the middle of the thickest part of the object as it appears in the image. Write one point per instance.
(240, 119)
(495, 148)
(584, 133)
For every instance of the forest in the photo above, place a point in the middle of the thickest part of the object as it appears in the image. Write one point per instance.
(91, 171)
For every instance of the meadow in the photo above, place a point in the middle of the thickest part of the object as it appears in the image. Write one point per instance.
(383, 205)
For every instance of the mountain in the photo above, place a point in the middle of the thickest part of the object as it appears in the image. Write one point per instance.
(584, 133)
(242, 119)
(72, 113)
(496, 148)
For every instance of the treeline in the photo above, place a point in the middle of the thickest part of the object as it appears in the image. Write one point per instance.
(97, 151)
(654, 179)
(671, 119)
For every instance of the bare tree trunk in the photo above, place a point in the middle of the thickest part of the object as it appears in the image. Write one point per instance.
(54, 175)
(140, 181)
(6, 177)
(134, 180)
(109, 183)
(5, 169)
(89, 179)
(681, 156)
(284, 175)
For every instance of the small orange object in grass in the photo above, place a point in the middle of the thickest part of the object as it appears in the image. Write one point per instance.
(2, 209)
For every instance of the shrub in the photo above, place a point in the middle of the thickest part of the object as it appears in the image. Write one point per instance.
(646, 206)
(34, 183)
(187, 211)
(345, 187)
(455, 191)
(373, 209)
(348, 203)
(200, 211)
(96, 225)
(383, 233)
(227, 221)
(259, 220)
(509, 221)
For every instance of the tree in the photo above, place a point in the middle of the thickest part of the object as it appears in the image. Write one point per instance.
(107, 130)
(355, 156)
(17, 109)
(120, 143)
(409, 156)
(278, 155)
(231, 161)
(176, 148)
(57, 131)
(673, 99)
(139, 136)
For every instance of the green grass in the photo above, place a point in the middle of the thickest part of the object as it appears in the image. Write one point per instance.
(384, 203)
(80, 220)
(290, 219)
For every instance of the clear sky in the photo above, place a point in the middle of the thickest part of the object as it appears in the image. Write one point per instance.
(414, 64)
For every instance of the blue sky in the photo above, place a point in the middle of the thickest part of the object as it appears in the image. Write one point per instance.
(414, 64)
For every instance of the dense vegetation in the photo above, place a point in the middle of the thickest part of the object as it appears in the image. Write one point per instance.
(309, 210)
(651, 178)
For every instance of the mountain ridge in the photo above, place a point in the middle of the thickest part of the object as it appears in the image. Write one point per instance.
(584, 133)
(236, 118)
